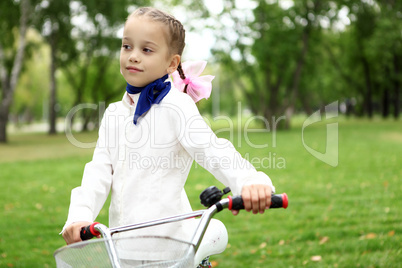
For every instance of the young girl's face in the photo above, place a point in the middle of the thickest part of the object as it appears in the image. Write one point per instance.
(145, 54)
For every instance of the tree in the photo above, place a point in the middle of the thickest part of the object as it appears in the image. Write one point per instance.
(386, 51)
(11, 55)
(270, 52)
(54, 21)
(98, 46)
(33, 84)
(367, 55)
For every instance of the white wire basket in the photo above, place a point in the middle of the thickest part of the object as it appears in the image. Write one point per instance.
(135, 251)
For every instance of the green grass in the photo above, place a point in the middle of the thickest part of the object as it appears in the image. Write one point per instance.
(344, 216)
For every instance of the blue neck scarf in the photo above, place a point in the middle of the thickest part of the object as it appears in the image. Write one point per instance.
(150, 94)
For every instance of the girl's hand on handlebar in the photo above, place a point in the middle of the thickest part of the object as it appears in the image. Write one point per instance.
(72, 232)
(256, 198)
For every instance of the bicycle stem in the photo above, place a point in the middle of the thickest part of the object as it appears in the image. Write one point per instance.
(206, 216)
(111, 250)
(205, 220)
(107, 233)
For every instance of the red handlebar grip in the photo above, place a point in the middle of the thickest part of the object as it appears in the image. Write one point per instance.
(93, 230)
(89, 231)
(285, 200)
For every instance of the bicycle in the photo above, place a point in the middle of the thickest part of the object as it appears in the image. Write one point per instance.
(114, 252)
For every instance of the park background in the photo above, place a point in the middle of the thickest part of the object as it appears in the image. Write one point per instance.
(278, 64)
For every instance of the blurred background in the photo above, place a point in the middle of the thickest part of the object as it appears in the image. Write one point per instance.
(277, 62)
(276, 57)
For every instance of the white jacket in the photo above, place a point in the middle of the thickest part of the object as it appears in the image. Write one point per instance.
(145, 166)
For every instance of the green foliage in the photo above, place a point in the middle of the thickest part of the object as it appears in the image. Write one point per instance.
(272, 49)
(30, 92)
(298, 58)
(278, 60)
(9, 13)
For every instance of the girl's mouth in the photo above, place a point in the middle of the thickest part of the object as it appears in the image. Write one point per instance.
(132, 69)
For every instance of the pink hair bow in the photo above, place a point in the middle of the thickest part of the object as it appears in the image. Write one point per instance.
(198, 87)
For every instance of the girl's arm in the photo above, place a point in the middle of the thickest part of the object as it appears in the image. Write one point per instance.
(220, 158)
(88, 199)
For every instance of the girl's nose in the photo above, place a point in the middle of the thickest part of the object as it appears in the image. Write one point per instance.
(134, 57)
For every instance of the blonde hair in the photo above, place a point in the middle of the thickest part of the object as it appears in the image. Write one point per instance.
(176, 33)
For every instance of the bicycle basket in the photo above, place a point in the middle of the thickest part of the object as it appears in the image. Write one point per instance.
(139, 251)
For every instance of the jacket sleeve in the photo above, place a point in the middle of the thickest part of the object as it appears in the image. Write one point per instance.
(217, 155)
(88, 199)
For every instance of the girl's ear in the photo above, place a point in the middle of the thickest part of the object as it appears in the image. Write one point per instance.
(174, 63)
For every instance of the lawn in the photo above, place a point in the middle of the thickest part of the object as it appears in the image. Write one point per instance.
(343, 216)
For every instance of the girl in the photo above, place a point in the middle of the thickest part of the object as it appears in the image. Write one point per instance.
(148, 140)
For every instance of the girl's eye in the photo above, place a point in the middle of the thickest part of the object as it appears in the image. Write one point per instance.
(126, 47)
(147, 50)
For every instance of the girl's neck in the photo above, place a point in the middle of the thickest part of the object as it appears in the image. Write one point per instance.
(157, 81)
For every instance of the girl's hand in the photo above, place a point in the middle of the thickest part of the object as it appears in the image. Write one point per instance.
(256, 198)
(72, 232)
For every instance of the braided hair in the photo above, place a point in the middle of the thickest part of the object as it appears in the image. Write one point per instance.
(176, 31)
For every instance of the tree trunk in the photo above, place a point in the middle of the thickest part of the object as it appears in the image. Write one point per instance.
(397, 85)
(368, 96)
(297, 76)
(306, 105)
(5, 101)
(3, 123)
(9, 82)
(53, 85)
(385, 103)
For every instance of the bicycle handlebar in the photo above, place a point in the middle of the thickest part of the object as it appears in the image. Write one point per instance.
(232, 203)
(89, 232)
(277, 201)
